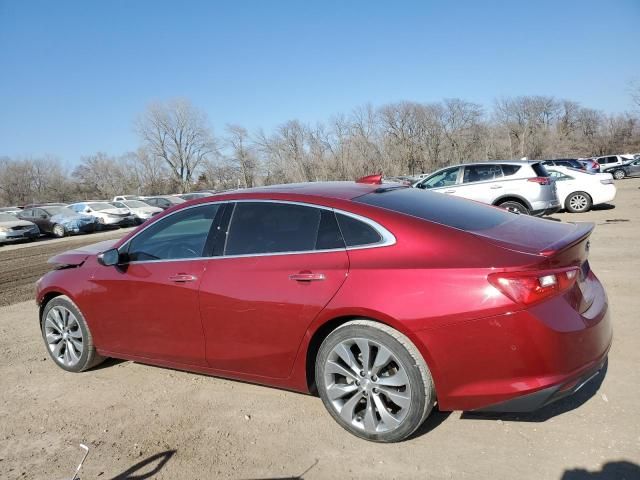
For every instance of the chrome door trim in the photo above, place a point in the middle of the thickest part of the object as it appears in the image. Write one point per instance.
(386, 237)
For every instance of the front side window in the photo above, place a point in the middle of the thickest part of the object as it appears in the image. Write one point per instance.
(481, 173)
(181, 235)
(265, 227)
(444, 178)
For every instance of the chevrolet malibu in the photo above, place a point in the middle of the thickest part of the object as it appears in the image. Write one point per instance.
(383, 299)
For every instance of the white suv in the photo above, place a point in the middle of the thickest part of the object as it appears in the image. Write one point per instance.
(523, 187)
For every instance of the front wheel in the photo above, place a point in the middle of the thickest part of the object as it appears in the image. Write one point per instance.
(578, 202)
(67, 336)
(618, 174)
(515, 207)
(373, 381)
(59, 231)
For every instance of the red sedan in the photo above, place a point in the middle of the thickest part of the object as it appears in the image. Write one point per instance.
(383, 299)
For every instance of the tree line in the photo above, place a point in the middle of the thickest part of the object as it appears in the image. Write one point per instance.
(178, 151)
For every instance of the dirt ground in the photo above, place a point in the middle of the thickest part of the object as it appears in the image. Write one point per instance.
(147, 422)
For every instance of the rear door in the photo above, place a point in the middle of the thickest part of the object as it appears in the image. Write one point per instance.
(281, 263)
(482, 183)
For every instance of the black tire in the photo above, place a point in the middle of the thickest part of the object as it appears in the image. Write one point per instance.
(89, 357)
(515, 207)
(618, 174)
(58, 230)
(578, 202)
(421, 389)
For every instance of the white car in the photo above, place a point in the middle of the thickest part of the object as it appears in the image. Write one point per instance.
(105, 213)
(579, 190)
(521, 187)
(142, 211)
(122, 198)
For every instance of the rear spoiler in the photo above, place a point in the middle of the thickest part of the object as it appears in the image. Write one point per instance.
(582, 231)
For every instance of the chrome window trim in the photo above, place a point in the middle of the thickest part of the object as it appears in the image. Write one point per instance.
(386, 237)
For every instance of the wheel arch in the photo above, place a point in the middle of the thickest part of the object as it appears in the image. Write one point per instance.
(512, 198)
(318, 334)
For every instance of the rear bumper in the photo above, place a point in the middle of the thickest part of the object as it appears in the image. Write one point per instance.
(541, 208)
(545, 211)
(518, 361)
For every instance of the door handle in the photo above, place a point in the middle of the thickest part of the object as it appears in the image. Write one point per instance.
(183, 278)
(306, 276)
(496, 187)
(449, 191)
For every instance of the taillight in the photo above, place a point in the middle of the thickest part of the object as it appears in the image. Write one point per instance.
(527, 288)
(540, 180)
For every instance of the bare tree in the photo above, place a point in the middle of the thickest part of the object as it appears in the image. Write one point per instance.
(243, 154)
(178, 133)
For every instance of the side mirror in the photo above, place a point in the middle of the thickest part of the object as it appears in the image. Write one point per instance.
(87, 210)
(43, 216)
(109, 258)
(422, 186)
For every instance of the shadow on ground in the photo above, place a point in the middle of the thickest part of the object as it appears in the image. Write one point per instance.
(611, 471)
(146, 468)
(552, 410)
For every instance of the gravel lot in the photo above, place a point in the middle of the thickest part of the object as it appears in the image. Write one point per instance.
(139, 419)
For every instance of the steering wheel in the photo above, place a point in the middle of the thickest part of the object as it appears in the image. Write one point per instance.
(180, 250)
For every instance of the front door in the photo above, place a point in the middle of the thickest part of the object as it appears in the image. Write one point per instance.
(281, 264)
(148, 306)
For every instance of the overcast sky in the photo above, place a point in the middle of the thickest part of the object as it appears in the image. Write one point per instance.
(75, 74)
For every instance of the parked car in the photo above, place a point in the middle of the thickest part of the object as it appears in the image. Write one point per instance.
(141, 211)
(10, 210)
(629, 168)
(164, 201)
(122, 198)
(58, 221)
(522, 187)
(382, 298)
(106, 214)
(610, 161)
(565, 162)
(193, 195)
(12, 229)
(589, 164)
(578, 190)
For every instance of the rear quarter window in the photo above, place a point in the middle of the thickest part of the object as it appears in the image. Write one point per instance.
(539, 169)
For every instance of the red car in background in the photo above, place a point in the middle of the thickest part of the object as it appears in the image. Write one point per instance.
(383, 299)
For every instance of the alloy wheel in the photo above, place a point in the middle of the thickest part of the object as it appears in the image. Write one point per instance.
(579, 202)
(64, 336)
(367, 385)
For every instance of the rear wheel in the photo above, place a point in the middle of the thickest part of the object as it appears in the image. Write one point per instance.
(578, 202)
(373, 381)
(619, 174)
(59, 231)
(67, 336)
(515, 207)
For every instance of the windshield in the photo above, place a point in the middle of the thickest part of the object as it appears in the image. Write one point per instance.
(5, 217)
(59, 210)
(135, 204)
(100, 206)
(175, 199)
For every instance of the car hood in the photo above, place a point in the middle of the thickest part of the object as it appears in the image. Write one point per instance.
(113, 211)
(146, 210)
(16, 223)
(77, 256)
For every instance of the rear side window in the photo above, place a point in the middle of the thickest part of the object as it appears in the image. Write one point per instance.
(539, 169)
(357, 233)
(481, 173)
(265, 227)
(445, 210)
(508, 170)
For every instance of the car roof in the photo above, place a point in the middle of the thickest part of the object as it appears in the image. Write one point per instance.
(343, 190)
